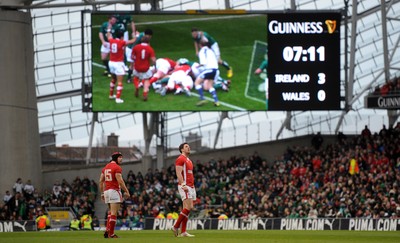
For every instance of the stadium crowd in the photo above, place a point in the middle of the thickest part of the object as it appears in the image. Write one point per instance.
(392, 86)
(354, 177)
(27, 203)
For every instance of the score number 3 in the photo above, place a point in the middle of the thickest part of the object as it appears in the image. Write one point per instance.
(321, 93)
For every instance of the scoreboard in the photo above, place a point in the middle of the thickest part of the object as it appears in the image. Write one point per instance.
(303, 61)
(297, 51)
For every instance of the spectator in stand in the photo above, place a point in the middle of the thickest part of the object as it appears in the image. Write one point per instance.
(366, 133)
(57, 187)
(392, 86)
(383, 132)
(95, 222)
(139, 224)
(93, 189)
(28, 190)
(124, 223)
(7, 196)
(14, 204)
(317, 141)
(18, 186)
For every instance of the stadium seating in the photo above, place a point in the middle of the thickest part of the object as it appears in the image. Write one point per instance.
(303, 182)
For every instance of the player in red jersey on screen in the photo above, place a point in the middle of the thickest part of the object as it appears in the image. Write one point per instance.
(111, 183)
(179, 80)
(184, 173)
(116, 63)
(143, 56)
(164, 66)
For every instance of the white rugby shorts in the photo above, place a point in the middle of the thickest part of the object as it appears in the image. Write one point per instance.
(112, 196)
(105, 49)
(117, 68)
(191, 193)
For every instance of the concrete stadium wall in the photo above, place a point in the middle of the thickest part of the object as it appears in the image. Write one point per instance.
(19, 130)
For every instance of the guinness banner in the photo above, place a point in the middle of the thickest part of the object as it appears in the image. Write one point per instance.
(382, 102)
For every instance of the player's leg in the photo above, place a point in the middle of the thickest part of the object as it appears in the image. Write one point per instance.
(157, 76)
(112, 87)
(222, 84)
(188, 204)
(211, 88)
(113, 219)
(170, 85)
(198, 85)
(187, 84)
(113, 199)
(199, 88)
(162, 67)
(178, 77)
(136, 82)
(119, 89)
(120, 73)
(185, 210)
(146, 83)
(213, 92)
(104, 51)
(113, 80)
(225, 64)
(108, 221)
(129, 60)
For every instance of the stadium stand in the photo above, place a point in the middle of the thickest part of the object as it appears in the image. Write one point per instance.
(301, 183)
(304, 182)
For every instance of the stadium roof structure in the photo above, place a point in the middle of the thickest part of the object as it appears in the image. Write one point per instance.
(373, 31)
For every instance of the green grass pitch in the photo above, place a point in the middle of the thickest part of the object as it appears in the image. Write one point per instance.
(203, 236)
(237, 37)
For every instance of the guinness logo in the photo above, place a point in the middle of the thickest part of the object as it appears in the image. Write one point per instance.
(331, 24)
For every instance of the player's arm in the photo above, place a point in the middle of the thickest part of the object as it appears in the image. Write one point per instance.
(103, 30)
(133, 28)
(152, 61)
(131, 41)
(181, 181)
(133, 34)
(263, 66)
(196, 47)
(121, 183)
(109, 36)
(258, 71)
(101, 185)
(101, 37)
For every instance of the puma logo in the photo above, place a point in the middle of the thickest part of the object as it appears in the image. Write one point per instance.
(22, 226)
(331, 24)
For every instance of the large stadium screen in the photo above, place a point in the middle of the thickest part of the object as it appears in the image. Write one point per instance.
(286, 61)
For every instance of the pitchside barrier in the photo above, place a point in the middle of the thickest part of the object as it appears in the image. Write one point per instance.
(352, 224)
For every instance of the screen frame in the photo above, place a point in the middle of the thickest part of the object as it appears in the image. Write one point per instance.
(87, 87)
